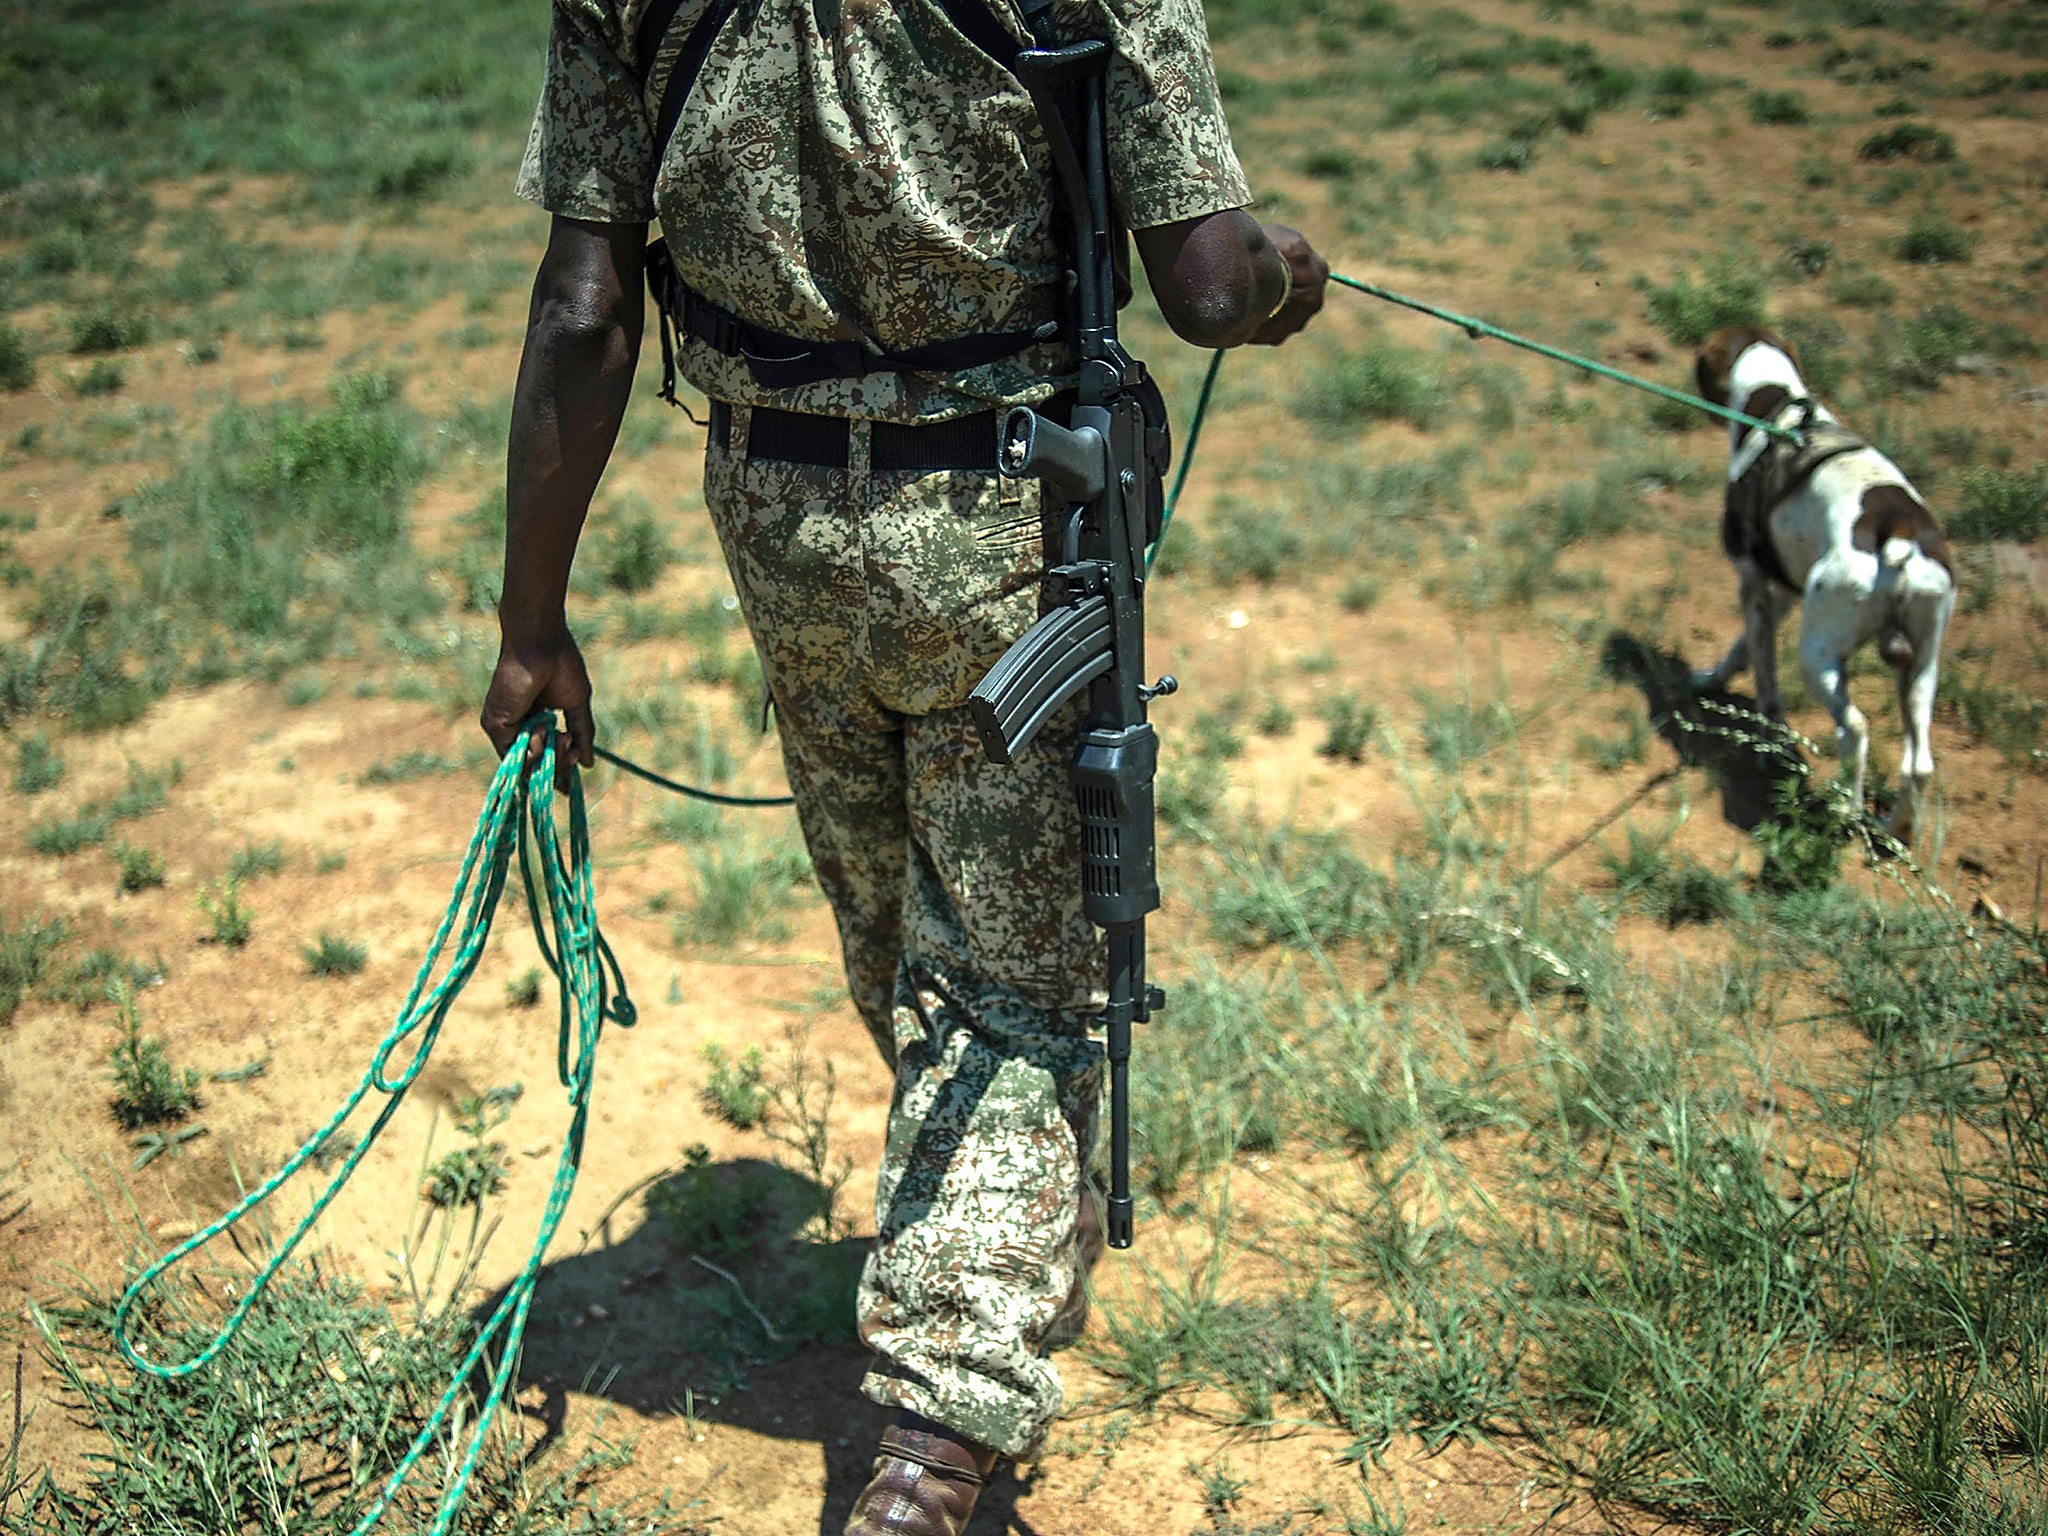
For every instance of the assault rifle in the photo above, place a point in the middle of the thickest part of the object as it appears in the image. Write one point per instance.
(1104, 465)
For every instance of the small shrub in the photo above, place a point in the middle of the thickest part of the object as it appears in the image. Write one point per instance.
(306, 689)
(1922, 352)
(24, 952)
(1253, 544)
(715, 1211)
(1778, 108)
(1689, 311)
(1675, 87)
(140, 869)
(103, 329)
(633, 556)
(1348, 726)
(2002, 504)
(734, 1090)
(1807, 256)
(1360, 593)
(1908, 141)
(148, 1090)
(1330, 162)
(1275, 717)
(523, 990)
(1860, 288)
(1378, 383)
(17, 362)
(37, 765)
(252, 861)
(104, 377)
(466, 1176)
(228, 921)
(1932, 238)
(71, 834)
(333, 955)
(89, 979)
(1801, 841)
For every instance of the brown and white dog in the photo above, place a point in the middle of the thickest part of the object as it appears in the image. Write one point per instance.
(1843, 532)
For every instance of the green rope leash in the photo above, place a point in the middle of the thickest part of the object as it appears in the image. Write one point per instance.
(518, 815)
(1477, 328)
(1187, 454)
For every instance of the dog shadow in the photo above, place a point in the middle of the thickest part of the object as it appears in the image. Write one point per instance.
(1748, 759)
(756, 1334)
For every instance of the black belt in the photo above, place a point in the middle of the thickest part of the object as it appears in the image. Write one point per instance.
(961, 442)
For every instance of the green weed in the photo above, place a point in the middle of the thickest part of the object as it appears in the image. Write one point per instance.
(148, 1090)
(1924, 350)
(17, 362)
(1689, 310)
(287, 521)
(1778, 108)
(333, 955)
(2002, 504)
(67, 835)
(105, 329)
(632, 556)
(228, 920)
(106, 376)
(1931, 237)
(139, 869)
(734, 1088)
(1375, 383)
(1253, 544)
(739, 893)
(252, 861)
(25, 951)
(37, 765)
(523, 990)
(1908, 141)
(719, 1212)
(1348, 727)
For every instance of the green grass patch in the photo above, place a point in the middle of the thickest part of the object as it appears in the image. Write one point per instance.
(2002, 504)
(1914, 140)
(1377, 382)
(1932, 238)
(333, 955)
(1688, 310)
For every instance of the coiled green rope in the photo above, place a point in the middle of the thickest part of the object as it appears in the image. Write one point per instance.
(518, 816)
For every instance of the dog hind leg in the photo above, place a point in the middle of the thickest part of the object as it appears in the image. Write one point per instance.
(1825, 663)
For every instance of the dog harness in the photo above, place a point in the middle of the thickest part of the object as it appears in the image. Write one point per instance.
(1776, 470)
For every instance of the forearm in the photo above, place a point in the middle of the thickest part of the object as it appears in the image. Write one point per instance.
(575, 378)
(1217, 279)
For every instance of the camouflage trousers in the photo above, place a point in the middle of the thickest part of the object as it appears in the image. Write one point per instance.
(877, 601)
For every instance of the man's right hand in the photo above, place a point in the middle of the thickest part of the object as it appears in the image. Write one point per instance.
(1218, 277)
(547, 675)
(1308, 278)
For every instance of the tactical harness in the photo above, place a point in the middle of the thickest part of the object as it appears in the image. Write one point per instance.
(775, 359)
(1775, 472)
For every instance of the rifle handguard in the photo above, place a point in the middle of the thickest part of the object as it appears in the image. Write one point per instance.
(1065, 651)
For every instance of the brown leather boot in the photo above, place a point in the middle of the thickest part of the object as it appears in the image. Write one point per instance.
(925, 1484)
(1072, 1317)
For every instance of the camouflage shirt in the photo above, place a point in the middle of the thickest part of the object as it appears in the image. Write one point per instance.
(858, 169)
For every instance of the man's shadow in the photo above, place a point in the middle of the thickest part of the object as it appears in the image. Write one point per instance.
(1749, 759)
(702, 1297)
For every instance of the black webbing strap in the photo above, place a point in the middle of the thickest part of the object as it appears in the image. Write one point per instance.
(775, 359)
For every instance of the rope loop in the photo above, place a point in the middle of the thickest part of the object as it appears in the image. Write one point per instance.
(518, 821)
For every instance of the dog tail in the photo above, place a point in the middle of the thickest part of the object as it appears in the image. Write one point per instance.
(1898, 551)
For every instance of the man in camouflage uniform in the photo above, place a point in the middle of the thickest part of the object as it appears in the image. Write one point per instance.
(863, 173)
